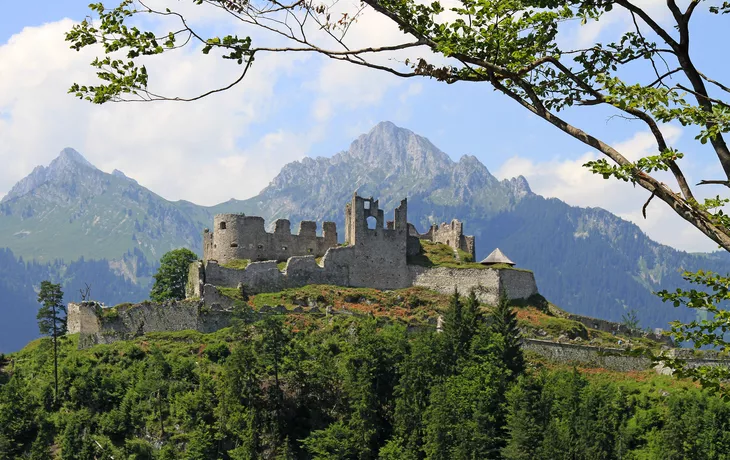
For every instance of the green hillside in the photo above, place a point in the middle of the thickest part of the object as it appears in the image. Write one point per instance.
(350, 387)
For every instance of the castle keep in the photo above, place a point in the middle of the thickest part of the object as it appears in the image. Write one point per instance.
(375, 255)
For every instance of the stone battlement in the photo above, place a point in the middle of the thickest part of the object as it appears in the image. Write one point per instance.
(237, 236)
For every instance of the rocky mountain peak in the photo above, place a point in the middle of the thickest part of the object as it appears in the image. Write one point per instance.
(518, 186)
(121, 175)
(64, 168)
(389, 146)
(69, 156)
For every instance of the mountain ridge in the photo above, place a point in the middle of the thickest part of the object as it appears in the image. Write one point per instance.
(586, 260)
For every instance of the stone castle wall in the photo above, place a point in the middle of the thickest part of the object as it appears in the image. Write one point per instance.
(129, 321)
(236, 236)
(346, 266)
(618, 328)
(83, 318)
(615, 358)
(451, 234)
(488, 283)
(568, 353)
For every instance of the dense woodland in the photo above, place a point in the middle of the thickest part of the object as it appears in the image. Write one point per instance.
(290, 387)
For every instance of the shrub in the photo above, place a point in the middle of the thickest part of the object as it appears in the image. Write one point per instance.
(217, 352)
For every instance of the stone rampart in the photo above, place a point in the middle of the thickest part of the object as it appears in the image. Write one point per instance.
(488, 283)
(618, 328)
(346, 266)
(607, 358)
(196, 280)
(342, 266)
(517, 284)
(83, 318)
(616, 358)
(96, 326)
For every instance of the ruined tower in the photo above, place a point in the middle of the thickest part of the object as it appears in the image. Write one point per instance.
(237, 236)
(380, 249)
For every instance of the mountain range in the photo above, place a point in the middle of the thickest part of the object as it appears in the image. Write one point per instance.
(586, 260)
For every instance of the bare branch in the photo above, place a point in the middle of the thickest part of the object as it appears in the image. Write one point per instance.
(650, 22)
(726, 183)
(663, 76)
(643, 208)
(716, 83)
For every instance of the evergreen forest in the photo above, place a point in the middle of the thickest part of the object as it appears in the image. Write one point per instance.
(345, 387)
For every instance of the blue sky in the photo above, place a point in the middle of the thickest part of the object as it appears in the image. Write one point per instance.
(232, 144)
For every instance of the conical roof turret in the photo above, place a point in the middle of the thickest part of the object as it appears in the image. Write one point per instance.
(497, 257)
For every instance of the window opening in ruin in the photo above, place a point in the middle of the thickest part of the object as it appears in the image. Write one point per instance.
(234, 245)
(260, 246)
(366, 205)
(223, 226)
(283, 248)
(309, 250)
(448, 243)
(372, 222)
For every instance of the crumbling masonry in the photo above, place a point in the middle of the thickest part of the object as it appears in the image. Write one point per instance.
(375, 255)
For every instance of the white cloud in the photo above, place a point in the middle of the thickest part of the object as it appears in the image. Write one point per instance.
(344, 86)
(172, 147)
(568, 180)
(198, 151)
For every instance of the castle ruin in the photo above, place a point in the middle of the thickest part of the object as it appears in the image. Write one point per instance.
(375, 255)
(451, 235)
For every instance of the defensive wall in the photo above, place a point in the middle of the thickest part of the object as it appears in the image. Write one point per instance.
(237, 236)
(589, 356)
(344, 266)
(488, 283)
(617, 359)
(618, 328)
(98, 326)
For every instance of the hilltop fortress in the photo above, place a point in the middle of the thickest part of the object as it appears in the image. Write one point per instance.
(240, 256)
(376, 254)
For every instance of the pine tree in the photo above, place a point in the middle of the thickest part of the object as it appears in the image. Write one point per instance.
(52, 321)
(461, 322)
(453, 318)
(504, 322)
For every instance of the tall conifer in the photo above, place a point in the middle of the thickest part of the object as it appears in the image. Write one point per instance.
(504, 322)
(52, 321)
